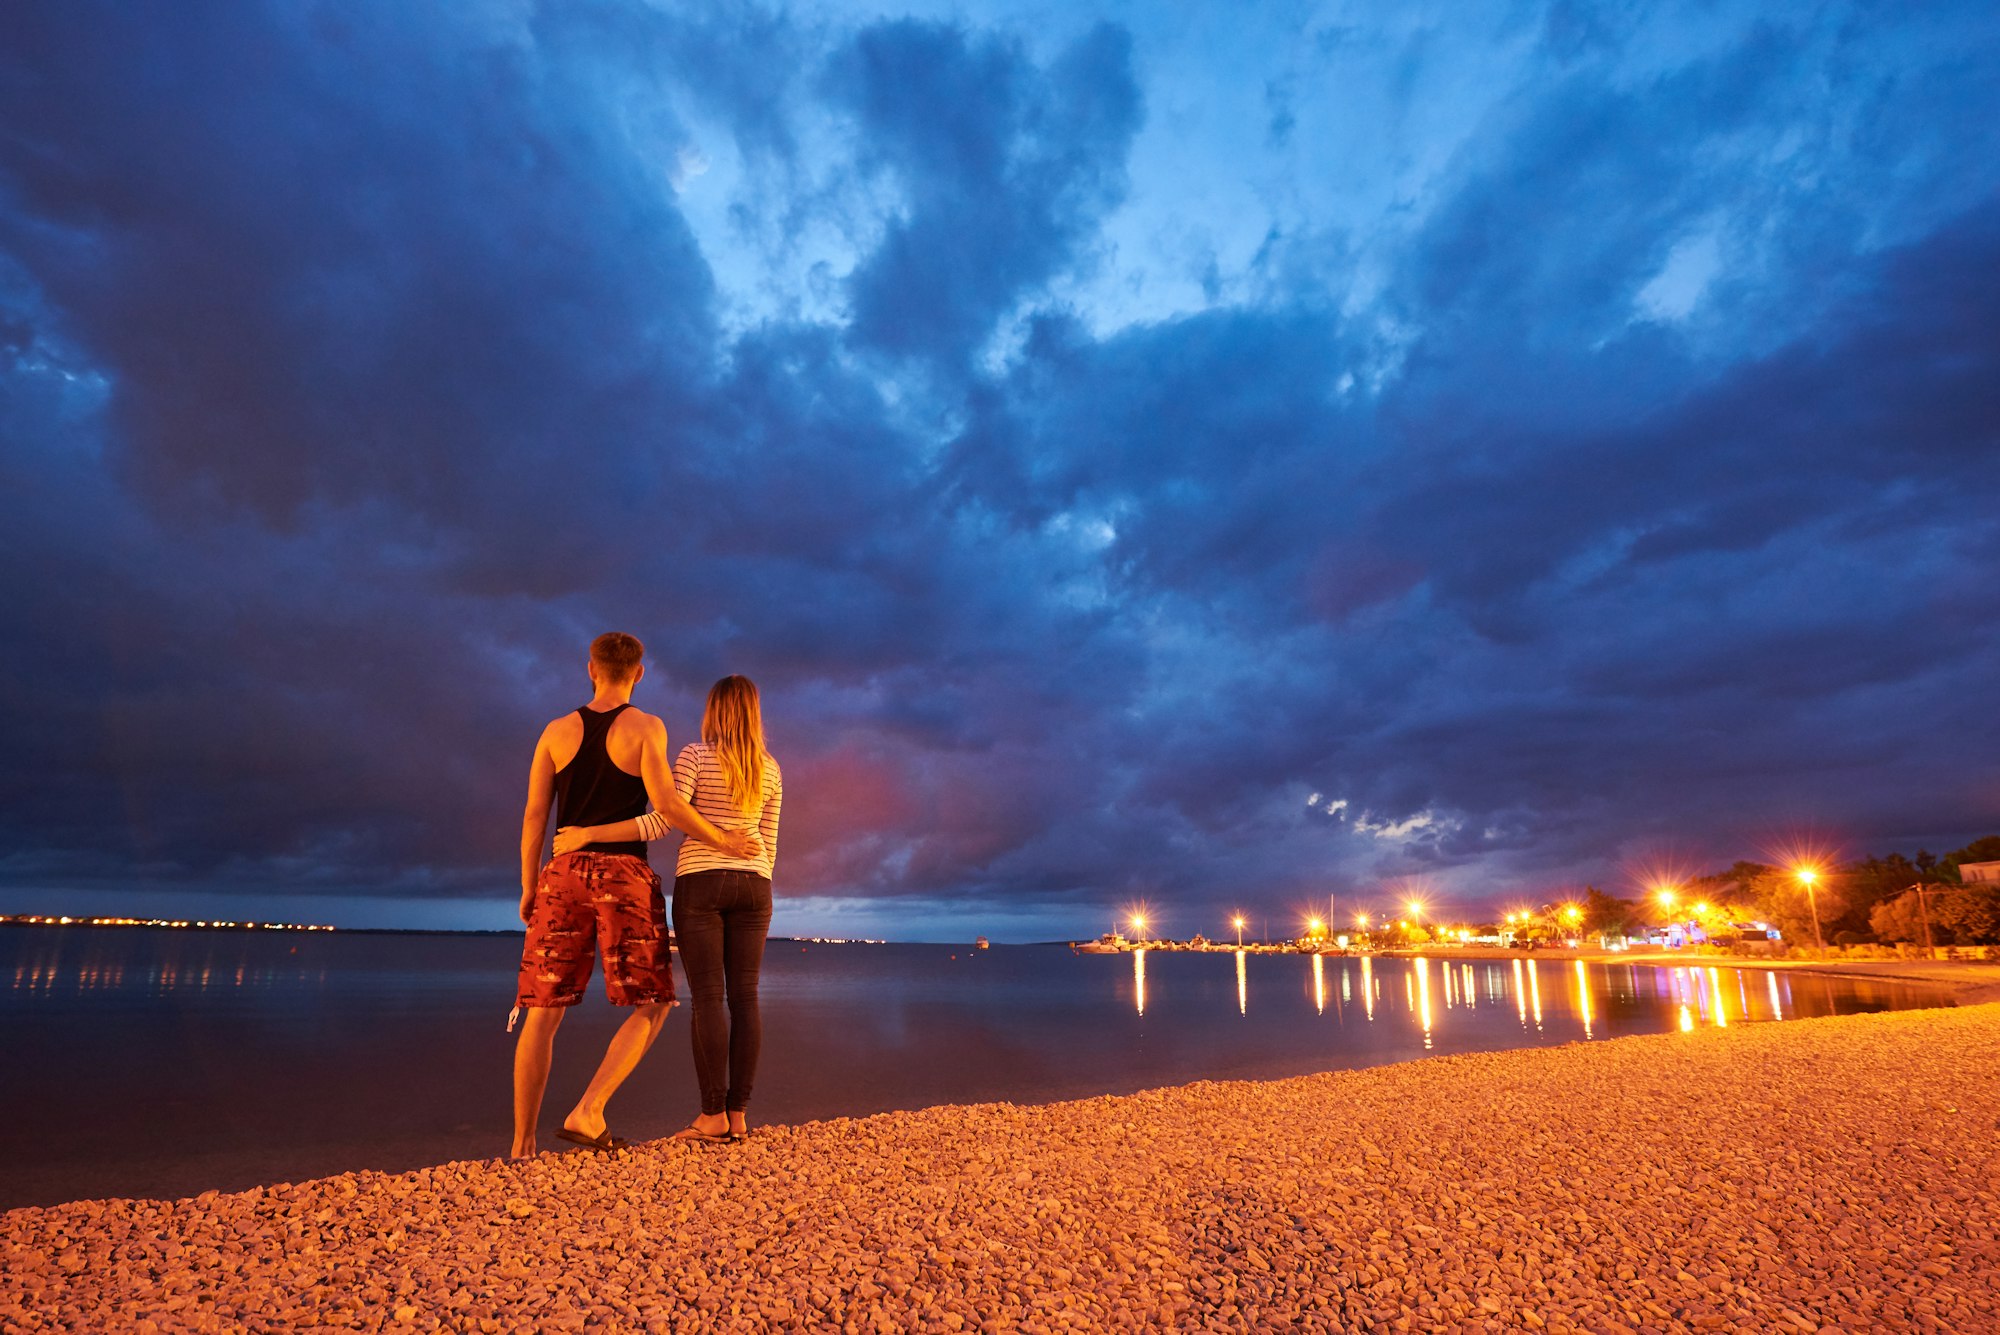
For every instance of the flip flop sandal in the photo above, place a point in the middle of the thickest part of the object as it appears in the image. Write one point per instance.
(606, 1142)
(689, 1135)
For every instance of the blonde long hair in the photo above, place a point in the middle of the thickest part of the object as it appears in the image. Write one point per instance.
(733, 723)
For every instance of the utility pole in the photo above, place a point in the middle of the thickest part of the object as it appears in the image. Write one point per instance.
(1924, 912)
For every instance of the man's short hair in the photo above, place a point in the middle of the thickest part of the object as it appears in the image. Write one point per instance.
(617, 656)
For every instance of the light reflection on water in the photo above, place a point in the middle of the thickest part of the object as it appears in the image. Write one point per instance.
(1690, 994)
(1424, 998)
(46, 971)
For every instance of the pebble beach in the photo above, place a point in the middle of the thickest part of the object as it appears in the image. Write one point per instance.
(1814, 1176)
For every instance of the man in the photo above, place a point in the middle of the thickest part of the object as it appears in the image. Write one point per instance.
(599, 765)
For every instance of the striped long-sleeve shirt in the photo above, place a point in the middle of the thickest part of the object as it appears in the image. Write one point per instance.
(699, 780)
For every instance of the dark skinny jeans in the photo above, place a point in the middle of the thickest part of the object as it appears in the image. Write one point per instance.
(720, 921)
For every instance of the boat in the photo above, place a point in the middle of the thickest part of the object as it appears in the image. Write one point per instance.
(980, 943)
(1108, 944)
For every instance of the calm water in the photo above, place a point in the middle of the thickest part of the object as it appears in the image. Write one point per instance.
(144, 1062)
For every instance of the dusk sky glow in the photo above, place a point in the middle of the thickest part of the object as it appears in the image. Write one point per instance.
(1217, 456)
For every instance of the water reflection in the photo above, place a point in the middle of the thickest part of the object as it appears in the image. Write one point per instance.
(46, 972)
(1424, 997)
(1603, 999)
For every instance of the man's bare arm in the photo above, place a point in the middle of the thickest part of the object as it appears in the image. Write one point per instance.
(659, 777)
(535, 822)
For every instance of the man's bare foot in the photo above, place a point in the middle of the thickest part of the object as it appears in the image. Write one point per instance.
(587, 1120)
(739, 1125)
(520, 1151)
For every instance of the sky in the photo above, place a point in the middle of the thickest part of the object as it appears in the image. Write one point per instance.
(1213, 456)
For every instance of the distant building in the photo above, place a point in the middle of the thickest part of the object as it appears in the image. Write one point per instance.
(1979, 873)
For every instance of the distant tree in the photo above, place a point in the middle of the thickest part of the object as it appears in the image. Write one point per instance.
(1535, 927)
(1606, 915)
(1900, 919)
(1971, 912)
(1876, 879)
(1732, 886)
(1979, 850)
(1866, 884)
(1786, 904)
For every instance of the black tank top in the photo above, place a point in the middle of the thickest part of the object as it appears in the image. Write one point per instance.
(590, 790)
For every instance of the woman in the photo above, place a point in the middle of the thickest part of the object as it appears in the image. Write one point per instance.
(722, 905)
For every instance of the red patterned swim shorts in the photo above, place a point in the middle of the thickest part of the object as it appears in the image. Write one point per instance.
(586, 902)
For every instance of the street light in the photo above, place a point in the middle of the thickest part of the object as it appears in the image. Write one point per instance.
(1139, 925)
(1237, 921)
(1808, 877)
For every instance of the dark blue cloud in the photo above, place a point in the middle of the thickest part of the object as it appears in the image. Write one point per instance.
(1621, 485)
(1004, 170)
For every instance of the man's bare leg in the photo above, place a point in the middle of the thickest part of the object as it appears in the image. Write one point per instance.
(532, 1052)
(627, 1046)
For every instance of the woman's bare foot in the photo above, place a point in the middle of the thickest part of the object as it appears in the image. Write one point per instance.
(739, 1125)
(705, 1128)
